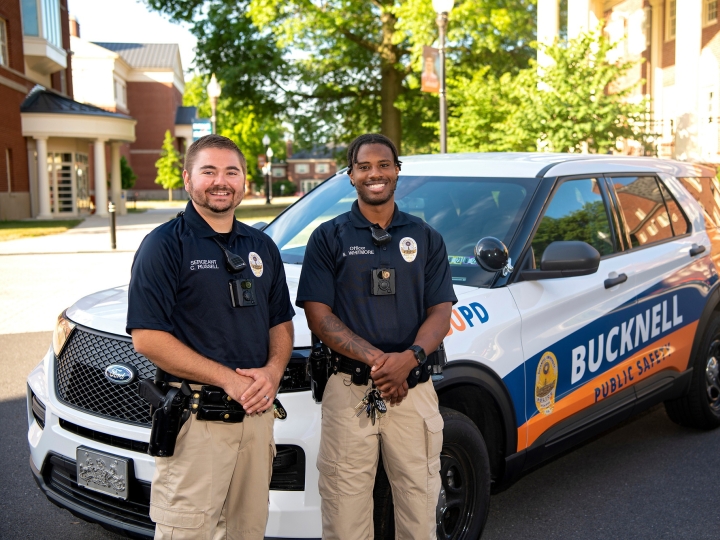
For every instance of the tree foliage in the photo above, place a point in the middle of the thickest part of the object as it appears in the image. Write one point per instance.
(169, 166)
(338, 68)
(573, 105)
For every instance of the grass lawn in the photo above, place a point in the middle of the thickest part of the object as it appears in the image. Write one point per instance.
(12, 230)
(253, 213)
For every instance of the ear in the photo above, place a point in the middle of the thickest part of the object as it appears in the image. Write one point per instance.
(186, 180)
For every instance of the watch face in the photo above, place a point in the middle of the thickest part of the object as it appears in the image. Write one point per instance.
(419, 353)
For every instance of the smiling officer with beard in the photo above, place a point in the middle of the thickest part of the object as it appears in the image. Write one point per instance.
(185, 318)
(377, 290)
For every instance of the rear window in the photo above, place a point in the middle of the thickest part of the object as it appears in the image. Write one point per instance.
(462, 210)
(707, 192)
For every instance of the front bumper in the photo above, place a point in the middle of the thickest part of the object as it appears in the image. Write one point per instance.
(293, 514)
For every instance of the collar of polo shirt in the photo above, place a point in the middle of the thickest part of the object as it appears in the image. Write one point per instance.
(361, 222)
(203, 229)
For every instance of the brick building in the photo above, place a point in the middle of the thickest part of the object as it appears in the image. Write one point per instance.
(676, 45)
(308, 168)
(48, 141)
(144, 80)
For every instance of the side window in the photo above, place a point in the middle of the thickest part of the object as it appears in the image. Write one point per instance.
(706, 191)
(643, 207)
(678, 221)
(575, 212)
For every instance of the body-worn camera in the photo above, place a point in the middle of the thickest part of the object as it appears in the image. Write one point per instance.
(383, 281)
(242, 292)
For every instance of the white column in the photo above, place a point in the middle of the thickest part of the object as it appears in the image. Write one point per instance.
(548, 17)
(115, 179)
(43, 179)
(101, 198)
(655, 83)
(578, 17)
(687, 70)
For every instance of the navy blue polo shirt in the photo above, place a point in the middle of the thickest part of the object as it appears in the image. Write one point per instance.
(337, 267)
(179, 284)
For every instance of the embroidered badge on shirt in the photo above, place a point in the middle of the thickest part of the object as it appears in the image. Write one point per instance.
(256, 264)
(408, 249)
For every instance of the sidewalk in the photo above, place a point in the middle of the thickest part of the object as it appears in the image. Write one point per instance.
(93, 234)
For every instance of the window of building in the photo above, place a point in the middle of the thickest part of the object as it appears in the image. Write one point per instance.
(30, 18)
(710, 12)
(302, 168)
(322, 168)
(576, 212)
(4, 58)
(47, 12)
(278, 172)
(670, 20)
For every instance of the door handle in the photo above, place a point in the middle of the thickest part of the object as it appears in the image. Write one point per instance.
(611, 282)
(696, 250)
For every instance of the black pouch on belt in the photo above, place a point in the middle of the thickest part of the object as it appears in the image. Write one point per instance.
(212, 404)
(319, 363)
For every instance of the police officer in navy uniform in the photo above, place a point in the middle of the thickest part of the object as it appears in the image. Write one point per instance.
(377, 290)
(183, 316)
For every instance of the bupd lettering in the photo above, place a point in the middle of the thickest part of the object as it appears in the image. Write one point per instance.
(619, 340)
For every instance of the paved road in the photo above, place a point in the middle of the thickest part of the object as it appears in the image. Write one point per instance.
(647, 479)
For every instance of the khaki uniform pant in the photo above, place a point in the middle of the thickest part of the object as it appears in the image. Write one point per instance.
(411, 439)
(216, 485)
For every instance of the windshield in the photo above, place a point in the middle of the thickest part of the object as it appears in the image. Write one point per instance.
(462, 210)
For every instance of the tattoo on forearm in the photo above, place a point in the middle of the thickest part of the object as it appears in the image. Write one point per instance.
(340, 338)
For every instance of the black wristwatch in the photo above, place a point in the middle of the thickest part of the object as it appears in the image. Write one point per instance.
(419, 353)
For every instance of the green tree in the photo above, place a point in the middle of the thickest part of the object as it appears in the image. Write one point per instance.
(169, 166)
(574, 105)
(127, 175)
(338, 68)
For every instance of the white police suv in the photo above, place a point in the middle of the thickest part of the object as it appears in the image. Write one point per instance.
(593, 295)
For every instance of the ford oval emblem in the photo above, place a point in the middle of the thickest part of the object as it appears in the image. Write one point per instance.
(120, 373)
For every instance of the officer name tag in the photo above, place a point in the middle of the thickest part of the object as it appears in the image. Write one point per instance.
(242, 292)
(383, 281)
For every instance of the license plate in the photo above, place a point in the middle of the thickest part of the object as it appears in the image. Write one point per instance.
(102, 472)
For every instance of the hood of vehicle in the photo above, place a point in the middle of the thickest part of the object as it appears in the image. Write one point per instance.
(106, 310)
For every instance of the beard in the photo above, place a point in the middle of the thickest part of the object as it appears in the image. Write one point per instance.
(201, 198)
(374, 199)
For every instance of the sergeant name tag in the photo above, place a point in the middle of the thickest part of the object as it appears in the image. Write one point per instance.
(383, 281)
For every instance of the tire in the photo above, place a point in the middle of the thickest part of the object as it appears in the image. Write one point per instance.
(700, 407)
(465, 471)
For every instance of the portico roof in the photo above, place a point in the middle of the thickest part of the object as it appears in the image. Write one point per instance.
(48, 114)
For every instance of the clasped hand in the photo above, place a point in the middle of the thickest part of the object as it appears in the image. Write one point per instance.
(249, 387)
(390, 372)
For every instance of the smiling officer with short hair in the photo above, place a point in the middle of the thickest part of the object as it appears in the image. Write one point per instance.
(377, 290)
(184, 316)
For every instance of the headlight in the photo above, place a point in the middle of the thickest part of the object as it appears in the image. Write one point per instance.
(63, 329)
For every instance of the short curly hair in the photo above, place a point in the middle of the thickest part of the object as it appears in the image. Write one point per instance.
(370, 138)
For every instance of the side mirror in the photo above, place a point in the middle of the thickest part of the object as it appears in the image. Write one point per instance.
(492, 255)
(259, 225)
(565, 259)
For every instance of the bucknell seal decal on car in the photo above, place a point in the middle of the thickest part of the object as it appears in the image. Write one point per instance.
(546, 382)
(256, 264)
(120, 373)
(408, 249)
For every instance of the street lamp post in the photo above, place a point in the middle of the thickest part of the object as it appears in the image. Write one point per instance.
(443, 9)
(267, 169)
(213, 90)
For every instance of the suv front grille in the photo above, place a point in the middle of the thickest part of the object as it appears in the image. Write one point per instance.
(81, 382)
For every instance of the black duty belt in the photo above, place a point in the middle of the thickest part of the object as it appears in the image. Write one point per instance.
(360, 372)
(212, 403)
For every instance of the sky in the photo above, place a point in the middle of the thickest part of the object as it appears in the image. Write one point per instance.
(130, 21)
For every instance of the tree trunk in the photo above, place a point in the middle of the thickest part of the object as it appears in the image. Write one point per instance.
(391, 119)
(390, 81)
(169, 194)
